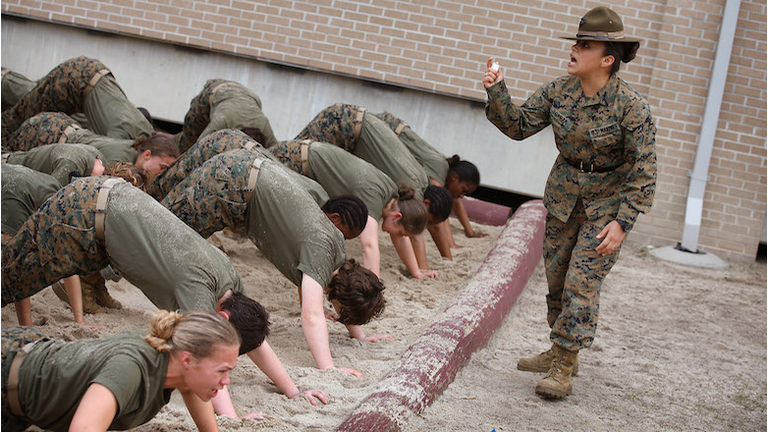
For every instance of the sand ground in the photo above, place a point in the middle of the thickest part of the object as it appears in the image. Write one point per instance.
(677, 348)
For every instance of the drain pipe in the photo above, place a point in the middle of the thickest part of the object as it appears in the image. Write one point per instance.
(700, 173)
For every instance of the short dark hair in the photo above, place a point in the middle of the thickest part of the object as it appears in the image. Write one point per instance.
(249, 318)
(351, 209)
(440, 202)
(360, 293)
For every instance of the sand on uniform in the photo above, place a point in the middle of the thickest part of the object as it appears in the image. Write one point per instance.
(677, 348)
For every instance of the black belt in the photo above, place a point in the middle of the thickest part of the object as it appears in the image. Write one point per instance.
(590, 167)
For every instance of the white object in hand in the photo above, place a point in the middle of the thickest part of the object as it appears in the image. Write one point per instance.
(495, 67)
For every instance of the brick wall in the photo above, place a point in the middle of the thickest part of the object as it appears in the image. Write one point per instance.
(441, 46)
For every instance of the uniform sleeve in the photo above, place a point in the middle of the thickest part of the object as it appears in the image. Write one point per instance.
(62, 168)
(640, 152)
(518, 122)
(123, 377)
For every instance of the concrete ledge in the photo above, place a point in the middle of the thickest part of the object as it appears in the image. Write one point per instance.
(700, 259)
(431, 363)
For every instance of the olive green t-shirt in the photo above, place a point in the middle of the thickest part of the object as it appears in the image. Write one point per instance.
(234, 106)
(58, 160)
(14, 86)
(158, 253)
(342, 173)
(379, 146)
(55, 375)
(289, 228)
(434, 163)
(113, 149)
(24, 190)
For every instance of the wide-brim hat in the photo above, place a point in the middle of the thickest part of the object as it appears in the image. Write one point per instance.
(601, 24)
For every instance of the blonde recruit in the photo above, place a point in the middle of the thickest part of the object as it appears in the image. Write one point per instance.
(195, 332)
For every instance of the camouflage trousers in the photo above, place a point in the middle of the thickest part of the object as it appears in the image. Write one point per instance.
(575, 272)
(206, 148)
(41, 129)
(215, 195)
(57, 241)
(13, 340)
(289, 154)
(68, 88)
(198, 115)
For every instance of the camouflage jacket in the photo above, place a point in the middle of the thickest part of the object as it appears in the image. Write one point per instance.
(611, 135)
(338, 124)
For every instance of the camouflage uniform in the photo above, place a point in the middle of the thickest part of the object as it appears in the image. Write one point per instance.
(338, 172)
(221, 105)
(606, 171)
(60, 161)
(338, 124)
(68, 88)
(363, 134)
(57, 241)
(14, 86)
(206, 148)
(13, 340)
(41, 129)
(435, 163)
(215, 196)
(258, 197)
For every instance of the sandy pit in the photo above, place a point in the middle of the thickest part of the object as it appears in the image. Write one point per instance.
(677, 348)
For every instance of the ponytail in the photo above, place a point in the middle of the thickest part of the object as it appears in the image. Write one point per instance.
(160, 144)
(414, 212)
(195, 332)
(133, 174)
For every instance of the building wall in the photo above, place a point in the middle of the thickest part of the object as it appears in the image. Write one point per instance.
(439, 47)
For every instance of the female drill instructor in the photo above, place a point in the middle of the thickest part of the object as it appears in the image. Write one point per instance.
(604, 176)
(119, 381)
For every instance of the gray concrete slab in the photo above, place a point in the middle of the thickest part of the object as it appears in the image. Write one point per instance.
(701, 259)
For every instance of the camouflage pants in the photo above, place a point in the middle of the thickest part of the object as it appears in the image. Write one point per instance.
(41, 129)
(57, 241)
(206, 148)
(60, 90)
(215, 195)
(198, 116)
(575, 272)
(109, 111)
(289, 154)
(13, 340)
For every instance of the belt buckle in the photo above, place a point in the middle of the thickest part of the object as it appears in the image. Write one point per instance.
(591, 167)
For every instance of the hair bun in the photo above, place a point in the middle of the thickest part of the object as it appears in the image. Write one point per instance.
(405, 192)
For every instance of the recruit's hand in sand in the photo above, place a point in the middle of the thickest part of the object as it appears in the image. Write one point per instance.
(350, 371)
(425, 274)
(311, 395)
(377, 337)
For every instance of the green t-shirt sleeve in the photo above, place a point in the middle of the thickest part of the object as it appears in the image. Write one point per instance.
(315, 263)
(123, 377)
(195, 298)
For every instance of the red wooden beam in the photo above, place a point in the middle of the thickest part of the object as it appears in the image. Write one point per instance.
(431, 363)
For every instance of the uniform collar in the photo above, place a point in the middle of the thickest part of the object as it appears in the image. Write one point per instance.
(604, 96)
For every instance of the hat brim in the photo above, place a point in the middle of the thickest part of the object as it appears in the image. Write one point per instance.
(593, 38)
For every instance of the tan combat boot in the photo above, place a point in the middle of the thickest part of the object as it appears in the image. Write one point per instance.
(557, 383)
(100, 293)
(89, 302)
(541, 363)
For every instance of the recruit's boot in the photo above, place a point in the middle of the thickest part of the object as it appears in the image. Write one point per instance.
(89, 302)
(100, 293)
(541, 363)
(557, 383)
